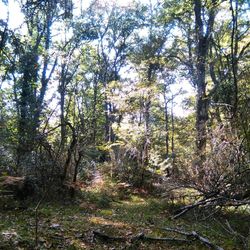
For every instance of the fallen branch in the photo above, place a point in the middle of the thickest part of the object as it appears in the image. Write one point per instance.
(140, 237)
(211, 202)
(190, 237)
(239, 236)
(165, 239)
(185, 209)
(195, 236)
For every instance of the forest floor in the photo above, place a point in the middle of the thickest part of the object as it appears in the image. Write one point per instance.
(117, 211)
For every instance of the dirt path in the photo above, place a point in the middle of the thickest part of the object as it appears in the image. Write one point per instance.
(97, 180)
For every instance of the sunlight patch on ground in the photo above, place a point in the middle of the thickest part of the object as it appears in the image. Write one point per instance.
(135, 200)
(105, 222)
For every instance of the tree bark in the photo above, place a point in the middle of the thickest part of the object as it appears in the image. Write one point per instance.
(70, 152)
(172, 136)
(166, 123)
(94, 117)
(203, 33)
(234, 53)
(62, 89)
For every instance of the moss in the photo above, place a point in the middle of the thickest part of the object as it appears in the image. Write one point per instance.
(70, 225)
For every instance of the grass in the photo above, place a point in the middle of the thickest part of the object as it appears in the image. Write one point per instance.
(69, 225)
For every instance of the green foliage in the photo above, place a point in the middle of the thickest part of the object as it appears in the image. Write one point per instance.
(99, 90)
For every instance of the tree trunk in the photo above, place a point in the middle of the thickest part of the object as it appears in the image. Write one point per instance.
(70, 152)
(203, 36)
(31, 103)
(77, 163)
(62, 117)
(62, 92)
(27, 104)
(166, 123)
(94, 117)
(146, 133)
(146, 114)
(234, 53)
(172, 137)
(107, 119)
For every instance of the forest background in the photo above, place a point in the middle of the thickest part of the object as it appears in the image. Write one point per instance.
(154, 95)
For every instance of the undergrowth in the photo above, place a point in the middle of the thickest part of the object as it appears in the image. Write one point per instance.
(70, 224)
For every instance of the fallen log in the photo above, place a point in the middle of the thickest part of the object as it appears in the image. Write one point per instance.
(20, 187)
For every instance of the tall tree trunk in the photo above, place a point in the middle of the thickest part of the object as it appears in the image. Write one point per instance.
(146, 114)
(175, 168)
(203, 33)
(166, 123)
(62, 117)
(107, 119)
(31, 102)
(77, 163)
(62, 92)
(146, 132)
(234, 52)
(94, 117)
(23, 127)
(146, 143)
(27, 104)
(70, 152)
(44, 77)
(173, 128)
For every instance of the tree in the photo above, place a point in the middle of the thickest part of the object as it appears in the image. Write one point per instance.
(203, 33)
(34, 73)
(113, 73)
(196, 22)
(115, 27)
